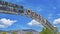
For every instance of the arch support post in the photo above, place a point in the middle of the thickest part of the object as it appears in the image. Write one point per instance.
(55, 31)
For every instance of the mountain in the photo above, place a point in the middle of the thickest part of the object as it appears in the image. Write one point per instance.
(19, 30)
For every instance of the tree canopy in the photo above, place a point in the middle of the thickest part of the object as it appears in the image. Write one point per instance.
(29, 33)
(46, 31)
(14, 33)
(3, 33)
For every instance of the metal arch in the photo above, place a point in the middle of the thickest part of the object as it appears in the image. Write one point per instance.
(9, 8)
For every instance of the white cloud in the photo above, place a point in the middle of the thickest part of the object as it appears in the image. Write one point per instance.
(6, 22)
(34, 23)
(2, 26)
(56, 21)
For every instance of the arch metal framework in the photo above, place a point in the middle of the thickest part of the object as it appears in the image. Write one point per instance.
(10, 8)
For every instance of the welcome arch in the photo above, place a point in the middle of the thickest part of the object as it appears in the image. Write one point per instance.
(10, 8)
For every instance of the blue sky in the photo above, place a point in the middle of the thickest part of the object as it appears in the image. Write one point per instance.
(49, 9)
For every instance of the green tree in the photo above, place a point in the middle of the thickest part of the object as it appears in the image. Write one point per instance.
(14, 33)
(46, 31)
(3, 32)
(29, 33)
(58, 32)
